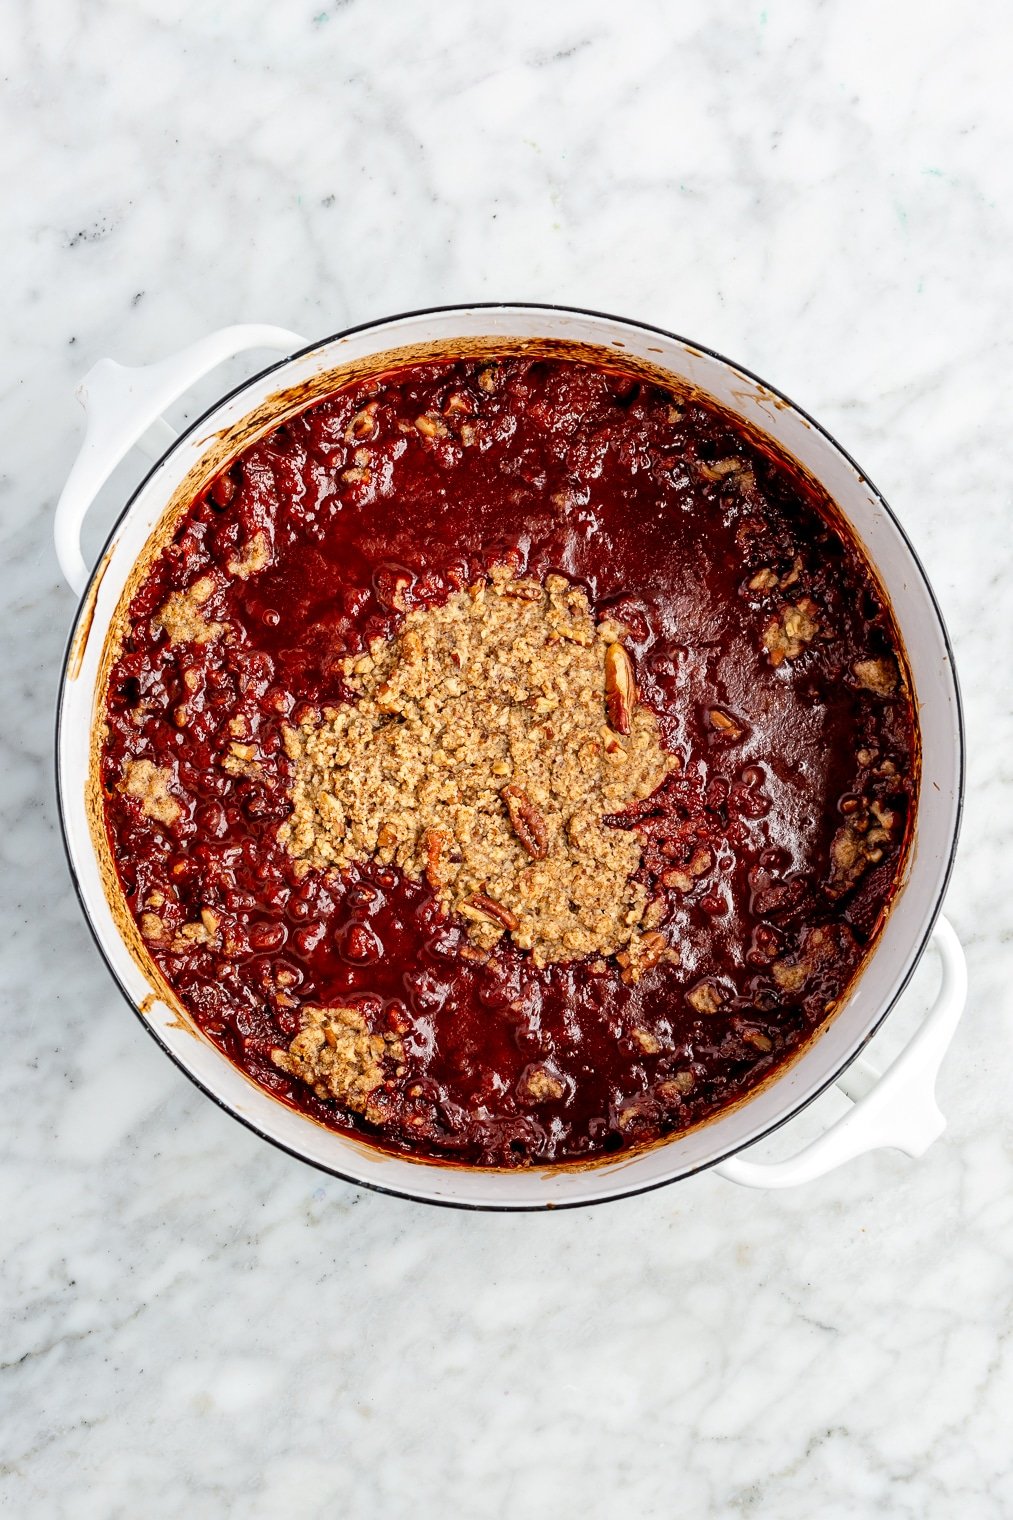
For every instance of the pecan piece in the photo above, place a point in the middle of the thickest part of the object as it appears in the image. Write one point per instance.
(705, 998)
(713, 470)
(620, 688)
(435, 844)
(363, 424)
(386, 840)
(528, 823)
(523, 591)
(724, 723)
(644, 953)
(767, 578)
(683, 877)
(412, 648)
(677, 1086)
(490, 908)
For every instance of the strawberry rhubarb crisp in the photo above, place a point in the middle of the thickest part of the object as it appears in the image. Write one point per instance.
(508, 761)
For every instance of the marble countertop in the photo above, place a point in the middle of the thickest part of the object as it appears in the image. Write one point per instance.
(191, 1322)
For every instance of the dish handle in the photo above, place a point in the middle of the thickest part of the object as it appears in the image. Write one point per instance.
(124, 408)
(895, 1109)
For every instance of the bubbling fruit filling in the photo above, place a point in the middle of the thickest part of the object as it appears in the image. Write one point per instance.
(509, 762)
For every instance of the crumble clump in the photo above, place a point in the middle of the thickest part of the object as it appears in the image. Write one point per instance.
(539, 1085)
(821, 947)
(877, 675)
(183, 617)
(480, 758)
(859, 843)
(255, 557)
(148, 784)
(706, 998)
(787, 634)
(336, 1055)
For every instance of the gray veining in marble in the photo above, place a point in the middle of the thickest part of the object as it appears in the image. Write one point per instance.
(193, 1324)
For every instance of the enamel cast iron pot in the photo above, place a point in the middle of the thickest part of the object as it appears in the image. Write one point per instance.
(895, 1109)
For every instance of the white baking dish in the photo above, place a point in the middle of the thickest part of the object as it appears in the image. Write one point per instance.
(898, 1109)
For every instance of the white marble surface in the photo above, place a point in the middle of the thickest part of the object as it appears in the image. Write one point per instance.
(194, 1324)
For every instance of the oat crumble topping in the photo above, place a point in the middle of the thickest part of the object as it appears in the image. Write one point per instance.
(338, 1057)
(480, 757)
(183, 617)
(793, 971)
(787, 634)
(149, 785)
(858, 844)
(540, 1085)
(877, 675)
(256, 557)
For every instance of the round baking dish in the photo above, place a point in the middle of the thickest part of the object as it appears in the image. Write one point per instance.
(125, 408)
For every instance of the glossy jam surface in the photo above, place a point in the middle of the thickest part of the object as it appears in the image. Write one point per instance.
(678, 525)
